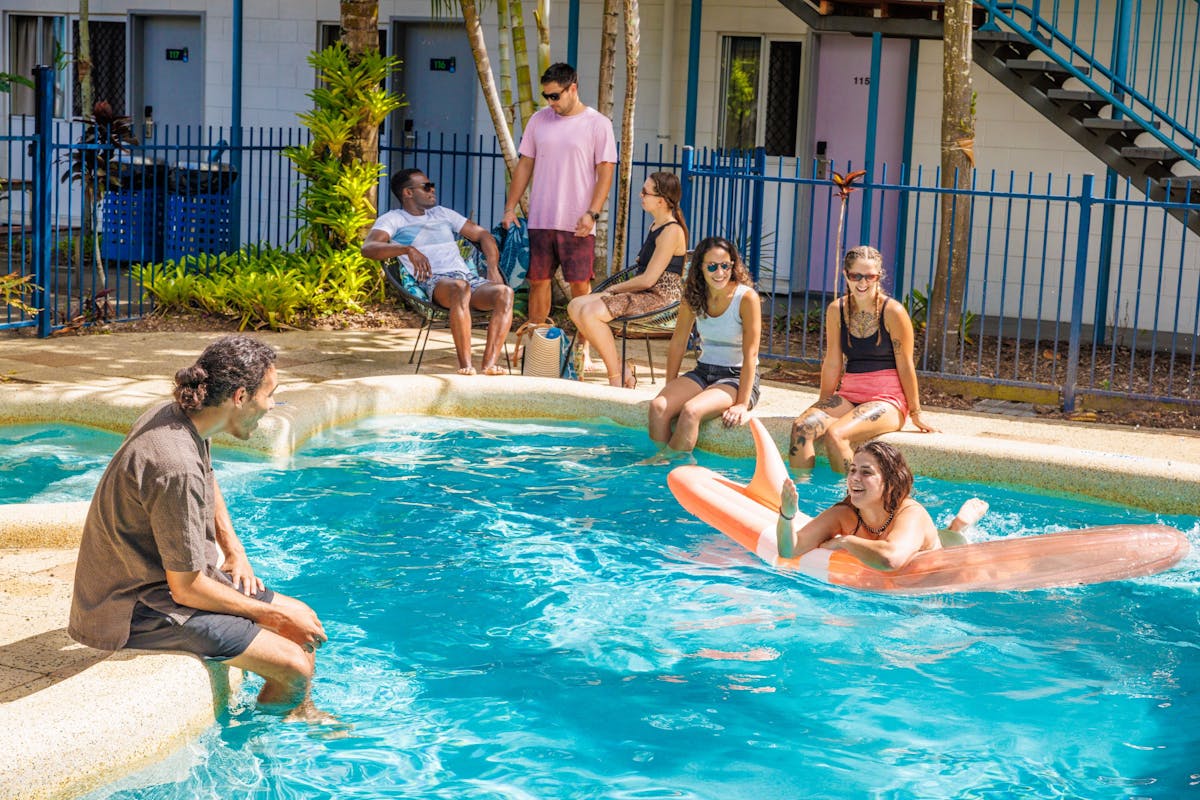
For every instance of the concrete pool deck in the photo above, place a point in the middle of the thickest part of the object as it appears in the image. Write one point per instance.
(73, 719)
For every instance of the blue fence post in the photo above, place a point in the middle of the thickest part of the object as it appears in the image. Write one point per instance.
(685, 185)
(43, 181)
(864, 228)
(756, 213)
(1120, 68)
(1086, 201)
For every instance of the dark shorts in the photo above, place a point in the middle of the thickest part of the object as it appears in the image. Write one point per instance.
(711, 375)
(219, 637)
(548, 249)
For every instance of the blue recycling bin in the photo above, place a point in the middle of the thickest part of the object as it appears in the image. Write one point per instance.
(198, 217)
(131, 211)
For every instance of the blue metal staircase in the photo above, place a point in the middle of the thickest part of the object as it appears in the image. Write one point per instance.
(1126, 126)
(1121, 77)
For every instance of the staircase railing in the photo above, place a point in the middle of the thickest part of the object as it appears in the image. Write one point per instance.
(1148, 71)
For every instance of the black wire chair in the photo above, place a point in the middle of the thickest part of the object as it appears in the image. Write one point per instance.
(656, 324)
(432, 315)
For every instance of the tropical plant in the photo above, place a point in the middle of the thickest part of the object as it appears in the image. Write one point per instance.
(262, 287)
(13, 289)
(918, 309)
(7, 79)
(336, 202)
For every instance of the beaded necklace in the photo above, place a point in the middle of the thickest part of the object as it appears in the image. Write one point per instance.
(881, 528)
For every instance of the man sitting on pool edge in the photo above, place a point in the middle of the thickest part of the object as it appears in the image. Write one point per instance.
(149, 574)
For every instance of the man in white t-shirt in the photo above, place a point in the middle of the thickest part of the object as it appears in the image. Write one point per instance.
(569, 152)
(423, 235)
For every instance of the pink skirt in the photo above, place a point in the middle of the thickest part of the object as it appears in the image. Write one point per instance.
(884, 384)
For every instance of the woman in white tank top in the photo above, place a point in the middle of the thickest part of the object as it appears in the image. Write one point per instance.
(719, 298)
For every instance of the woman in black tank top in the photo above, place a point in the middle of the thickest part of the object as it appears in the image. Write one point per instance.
(868, 378)
(657, 284)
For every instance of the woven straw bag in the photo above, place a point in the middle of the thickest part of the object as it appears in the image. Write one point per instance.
(545, 348)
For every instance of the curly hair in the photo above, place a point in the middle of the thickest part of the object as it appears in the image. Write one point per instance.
(695, 290)
(864, 252)
(224, 366)
(897, 477)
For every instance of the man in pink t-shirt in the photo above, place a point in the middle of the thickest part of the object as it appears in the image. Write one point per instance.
(569, 151)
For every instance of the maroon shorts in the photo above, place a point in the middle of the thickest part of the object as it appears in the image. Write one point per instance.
(548, 249)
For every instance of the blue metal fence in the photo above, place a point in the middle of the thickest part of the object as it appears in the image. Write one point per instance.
(1050, 305)
(1038, 290)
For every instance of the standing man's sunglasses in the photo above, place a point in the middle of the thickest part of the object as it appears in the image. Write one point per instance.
(553, 96)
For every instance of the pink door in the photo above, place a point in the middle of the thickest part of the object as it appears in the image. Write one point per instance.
(840, 139)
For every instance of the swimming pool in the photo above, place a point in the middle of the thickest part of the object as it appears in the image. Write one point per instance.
(515, 612)
(52, 464)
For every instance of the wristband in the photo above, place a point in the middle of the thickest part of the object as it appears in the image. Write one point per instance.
(784, 516)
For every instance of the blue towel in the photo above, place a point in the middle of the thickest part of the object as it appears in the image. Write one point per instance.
(514, 253)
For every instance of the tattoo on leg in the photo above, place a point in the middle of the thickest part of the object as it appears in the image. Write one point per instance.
(833, 401)
(870, 414)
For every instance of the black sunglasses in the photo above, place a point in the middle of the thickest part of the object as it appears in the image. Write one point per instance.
(427, 186)
(553, 96)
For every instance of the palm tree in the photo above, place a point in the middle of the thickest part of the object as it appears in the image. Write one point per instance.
(604, 104)
(625, 168)
(360, 34)
(487, 82)
(945, 306)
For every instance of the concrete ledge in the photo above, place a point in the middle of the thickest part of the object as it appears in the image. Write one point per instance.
(127, 711)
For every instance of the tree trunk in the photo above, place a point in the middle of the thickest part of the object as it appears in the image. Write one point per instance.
(503, 18)
(945, 304)
(541, 17)
(521, 55)
(360, 34)
(83, 61)
(487, 82)
(625, 168)
(604, 104)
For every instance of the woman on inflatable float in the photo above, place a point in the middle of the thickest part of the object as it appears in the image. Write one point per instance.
(878, 522)
(868, 379)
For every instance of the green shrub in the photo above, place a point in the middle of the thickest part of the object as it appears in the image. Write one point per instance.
(264, 287)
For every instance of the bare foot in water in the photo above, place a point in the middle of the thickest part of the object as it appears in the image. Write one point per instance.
(307, 712)
(667, 456)
(971, 512)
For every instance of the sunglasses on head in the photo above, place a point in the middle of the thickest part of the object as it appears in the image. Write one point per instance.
(427, 186)
(855, 277)
(716, 265)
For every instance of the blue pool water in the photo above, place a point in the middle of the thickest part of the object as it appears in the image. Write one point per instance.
(514, 612)
(52, 464)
